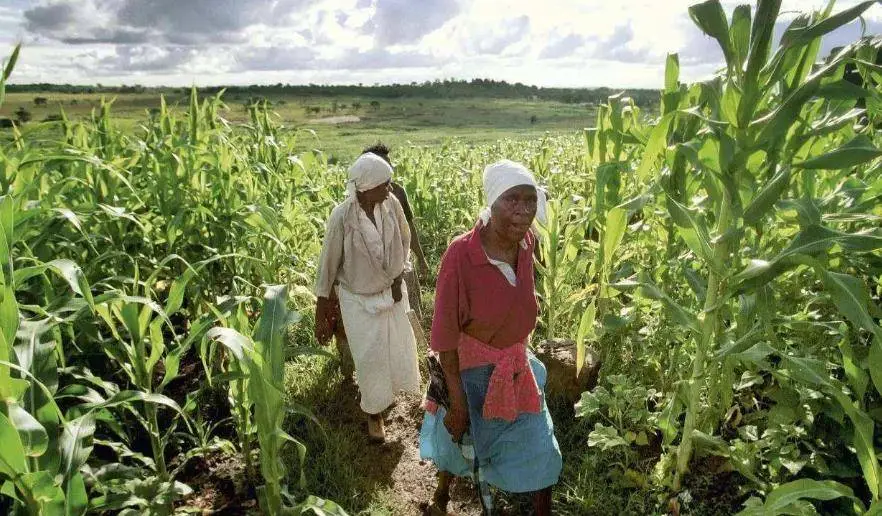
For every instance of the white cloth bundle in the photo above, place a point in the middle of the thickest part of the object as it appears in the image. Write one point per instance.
(505, 174)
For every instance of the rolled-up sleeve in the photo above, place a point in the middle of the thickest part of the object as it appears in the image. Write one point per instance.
(331, 257)
(446, 323)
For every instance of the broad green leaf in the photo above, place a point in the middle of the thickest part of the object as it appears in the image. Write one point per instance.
(176, 292)
(45, 496)
(616, 223)
(815, 239)
(76, 501)
(786, 494)
(711, 19)
(10, 64)
(32, 435)
(874, 361)
(680, 314)
(239, 345)
(851, 298)
(655, 146)
(605, 437)
(806, 370)
(842, 90)
(760, 45)
(857, 377)
(740, 34)
(319, 507)
(767, 197)
(73, 275)
(672, 73)
(7, 71)
(586, 329)
(75, 445)
(270, 329)
(863, 443)
(13, 459)
(856, 152)
(824, 26)
(124, 397)
(157, 345)
(9, 321)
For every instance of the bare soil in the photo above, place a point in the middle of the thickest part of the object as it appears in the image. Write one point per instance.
(333, 120)
(396, 463)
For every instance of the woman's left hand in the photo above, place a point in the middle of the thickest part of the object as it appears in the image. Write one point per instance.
(396, 289)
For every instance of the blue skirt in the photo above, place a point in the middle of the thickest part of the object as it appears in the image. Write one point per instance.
(518, 456)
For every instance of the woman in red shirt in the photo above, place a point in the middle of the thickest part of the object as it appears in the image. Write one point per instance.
(487, 417)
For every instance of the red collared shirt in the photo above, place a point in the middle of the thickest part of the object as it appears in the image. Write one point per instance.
(472, 296)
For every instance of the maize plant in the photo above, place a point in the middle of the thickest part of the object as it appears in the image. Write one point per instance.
(767, 144)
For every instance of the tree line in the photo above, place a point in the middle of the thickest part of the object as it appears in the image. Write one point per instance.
(437, 89)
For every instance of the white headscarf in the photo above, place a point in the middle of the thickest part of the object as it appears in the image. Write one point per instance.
(384, 243)
(505, 174)
(368, 171)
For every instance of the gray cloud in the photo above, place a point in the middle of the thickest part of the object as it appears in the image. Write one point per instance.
(379, 58)
(276, 58)
(298, 58)
(563, 47)
(505, 35)
(616, 47)
(145, 58)
(51, 17)
(397, 22)
(190, 22)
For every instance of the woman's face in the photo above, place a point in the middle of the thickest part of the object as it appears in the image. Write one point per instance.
(376, 194)
(513, 212)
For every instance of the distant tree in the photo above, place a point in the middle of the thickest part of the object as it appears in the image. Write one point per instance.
(23, 115)
(375, 104)
(356, 106)
(74, 102)
(40, 101)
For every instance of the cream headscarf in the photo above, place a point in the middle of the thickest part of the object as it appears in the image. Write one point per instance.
(368, 171)
(387, 244)
(505, 174)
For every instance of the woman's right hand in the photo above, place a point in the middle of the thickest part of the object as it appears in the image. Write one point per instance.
(457, 420)
(322, 331)
(322, 323)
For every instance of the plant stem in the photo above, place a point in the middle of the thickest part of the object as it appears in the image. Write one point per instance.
(709, 325)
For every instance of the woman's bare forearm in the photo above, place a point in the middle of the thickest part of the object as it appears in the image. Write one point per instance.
(450, 366)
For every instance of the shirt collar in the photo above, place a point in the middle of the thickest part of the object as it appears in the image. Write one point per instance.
(477, 255)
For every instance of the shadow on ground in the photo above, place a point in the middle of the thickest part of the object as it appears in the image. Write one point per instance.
(343, 465)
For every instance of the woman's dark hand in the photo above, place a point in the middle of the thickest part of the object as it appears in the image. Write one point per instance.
(323, 314)
(457, 421)
(322, 331)
(396, 289)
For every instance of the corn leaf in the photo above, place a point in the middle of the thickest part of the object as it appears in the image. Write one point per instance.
(856, 152)
(13, 461)
(711, 19)
(785, 495)
(32, 434)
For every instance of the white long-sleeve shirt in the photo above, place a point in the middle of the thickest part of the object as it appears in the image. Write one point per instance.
(344, 257)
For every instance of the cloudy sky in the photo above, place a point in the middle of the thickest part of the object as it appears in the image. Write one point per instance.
(617, 43)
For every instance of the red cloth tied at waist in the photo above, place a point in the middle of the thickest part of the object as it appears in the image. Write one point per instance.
(512, 389)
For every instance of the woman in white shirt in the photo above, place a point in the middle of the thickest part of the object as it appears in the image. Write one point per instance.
(364, 254)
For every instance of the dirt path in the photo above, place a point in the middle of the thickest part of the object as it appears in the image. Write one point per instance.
(395, 466)
(342, 119)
